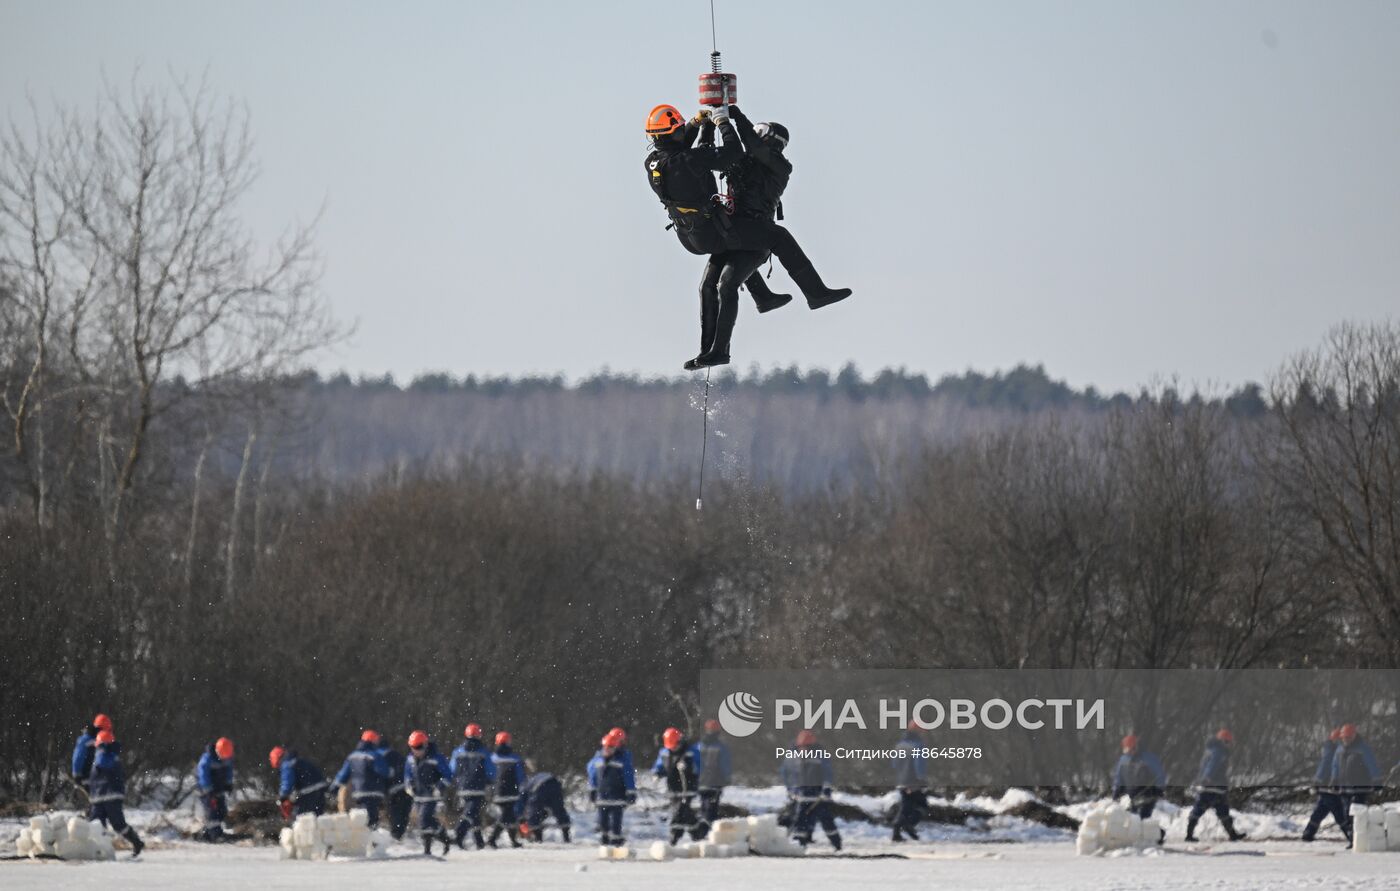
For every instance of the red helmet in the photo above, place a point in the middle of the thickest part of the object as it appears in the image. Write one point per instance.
(275, 756)
(1335, 735)
(224, 748)
(503, 738)
(1347, 732)
(1225, 736)
(102, 722)
(615, 738)
(105, 737)
(672, 737)
(370, 736)
(806, 738)
(473, 731)
(712, 725)
(417, 739)
(1130, 743)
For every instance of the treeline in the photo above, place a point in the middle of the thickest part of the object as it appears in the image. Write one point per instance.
(797, 431)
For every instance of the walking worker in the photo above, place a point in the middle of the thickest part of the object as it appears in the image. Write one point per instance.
(107, 789)
(1213, 786)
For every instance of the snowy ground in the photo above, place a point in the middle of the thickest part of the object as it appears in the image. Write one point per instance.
(1000, 852)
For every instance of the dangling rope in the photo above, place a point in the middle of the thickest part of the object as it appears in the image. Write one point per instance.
(705, 408)
(704, 442)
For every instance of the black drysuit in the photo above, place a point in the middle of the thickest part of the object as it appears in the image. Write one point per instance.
(681, 171)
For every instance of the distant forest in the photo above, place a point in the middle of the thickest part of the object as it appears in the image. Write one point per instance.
(764, 424)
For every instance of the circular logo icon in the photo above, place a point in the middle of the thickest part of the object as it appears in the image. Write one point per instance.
(740, 714)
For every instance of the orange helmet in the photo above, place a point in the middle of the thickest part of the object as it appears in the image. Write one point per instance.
(1225, 736)
(105, 737)
(102, 722)
(224, 748)
(473, 731)
(1347, 732)
(417, 738)
(503, 738)
(1130, 743)
(671, 739)
(370, 737)
(712, 726)
(1335, 735)
(615, 737)
(806, 738)
(275, 756)
(664, 119)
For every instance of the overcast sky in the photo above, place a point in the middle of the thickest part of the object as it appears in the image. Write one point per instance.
(1116, 189)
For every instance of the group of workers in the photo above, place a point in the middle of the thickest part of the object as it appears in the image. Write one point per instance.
(1347, 773)
(522, 799)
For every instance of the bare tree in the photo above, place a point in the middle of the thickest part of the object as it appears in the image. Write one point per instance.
(184, 302)
(1337, 459)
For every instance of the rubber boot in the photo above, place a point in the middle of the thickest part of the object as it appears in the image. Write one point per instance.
(718, 353)
(1229, 824)
(1191, 829)
(709, 314)
(477, 839)
(565, 830)
(495, 835)
(1310, 831)
(445, 839)
(136, 844)
(514, 835)
(909, 831)
(763, 296)
(835, 839)
(676, 836)
(461, 836)
(816, 291)
(896, 836)
(427, 845)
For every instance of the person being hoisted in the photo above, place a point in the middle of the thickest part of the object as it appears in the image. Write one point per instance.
(682, 175)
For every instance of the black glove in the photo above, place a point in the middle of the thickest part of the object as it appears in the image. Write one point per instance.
(826, 792)
(737, 115)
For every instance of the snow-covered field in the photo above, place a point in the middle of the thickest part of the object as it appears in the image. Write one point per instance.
(1000, 852)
